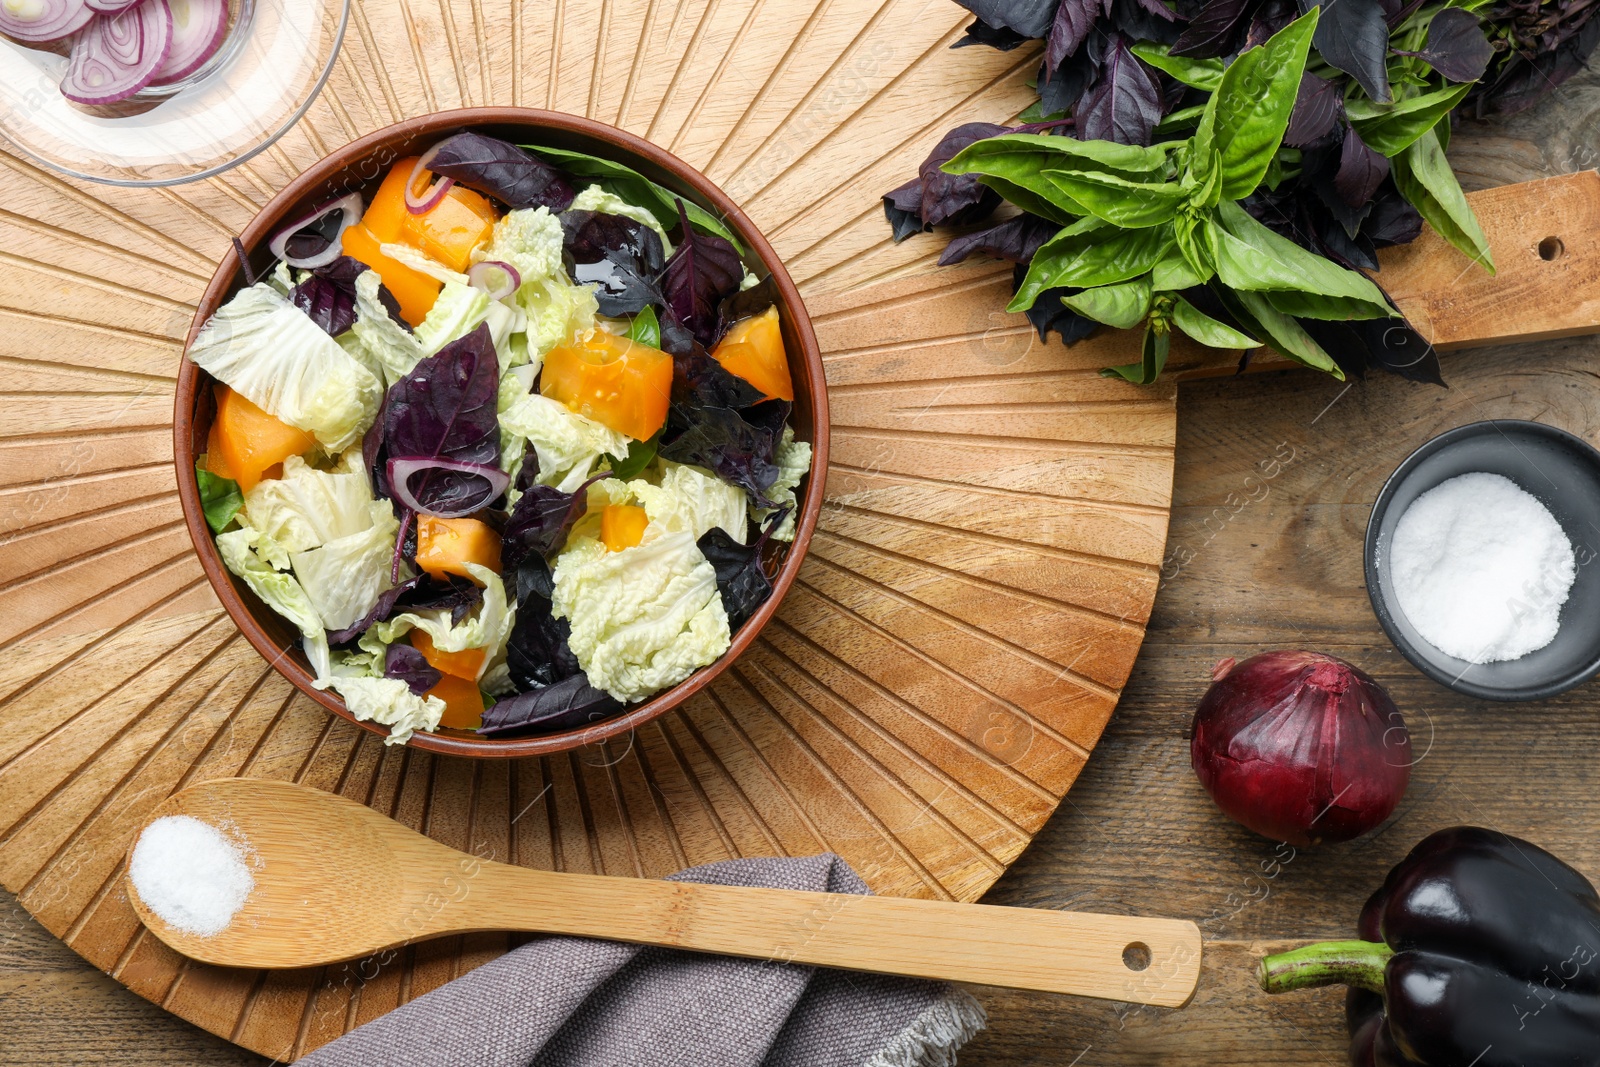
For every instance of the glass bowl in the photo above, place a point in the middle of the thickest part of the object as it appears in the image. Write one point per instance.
(277, 56)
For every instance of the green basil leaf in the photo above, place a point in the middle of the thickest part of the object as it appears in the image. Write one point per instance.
(1318, 306)
(1251, 257)
(640, 453)
(1036, 203)
(1182, 119)
(646, 328)
(1084, 256)
(1201, 73)
(220, 498)
(1119, 201)
(1424, 178)
(1175, 273)
(1207, 330)
(1121, 307)
(1192, 245)
(636, 189)
(1254, 101)
(1394, 128)
(1153, 357)
(1286, 335)
(1130, 161)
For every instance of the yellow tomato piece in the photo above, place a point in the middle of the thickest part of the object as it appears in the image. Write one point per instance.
(446, 546)
(463, 702)
(415, 291)
(246, 442)
(465, 664)
(753, 350)
(621, 526)
(387, 212)
(615, 381)
(455, 226)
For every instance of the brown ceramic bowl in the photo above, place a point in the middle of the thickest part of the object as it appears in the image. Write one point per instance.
(359, 165)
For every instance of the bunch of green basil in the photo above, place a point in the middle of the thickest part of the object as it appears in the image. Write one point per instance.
(1142, 225)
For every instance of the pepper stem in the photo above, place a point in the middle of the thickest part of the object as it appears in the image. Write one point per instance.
(1352, 963)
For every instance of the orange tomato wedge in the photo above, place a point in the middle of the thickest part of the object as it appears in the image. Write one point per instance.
(753, 350)
(463, 703)
(446, 546)
(465, 664)
(455, 226)
(246, 442)
(621, 526)
(615, 381)
(415, 291)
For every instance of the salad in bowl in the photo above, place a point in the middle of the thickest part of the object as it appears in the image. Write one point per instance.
(505, 434)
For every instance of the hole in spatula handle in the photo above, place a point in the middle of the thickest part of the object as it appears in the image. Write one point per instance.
(1136, 957)
(1551, 249)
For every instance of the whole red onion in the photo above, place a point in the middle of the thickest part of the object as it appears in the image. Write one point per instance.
(1300, 747)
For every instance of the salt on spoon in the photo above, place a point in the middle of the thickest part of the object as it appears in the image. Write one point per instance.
(1481, 568)
(190, 874)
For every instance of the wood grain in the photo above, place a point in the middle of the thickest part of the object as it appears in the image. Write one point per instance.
(119, 683)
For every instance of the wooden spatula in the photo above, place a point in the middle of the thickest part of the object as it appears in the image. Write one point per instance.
(335, 880)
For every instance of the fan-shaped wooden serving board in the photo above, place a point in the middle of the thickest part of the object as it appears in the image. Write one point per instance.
(970, 608)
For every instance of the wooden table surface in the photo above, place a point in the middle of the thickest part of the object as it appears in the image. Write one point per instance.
(1275, 478)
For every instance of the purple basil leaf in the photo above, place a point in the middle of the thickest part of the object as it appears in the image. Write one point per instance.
(383, 609)
(1393, 221)
(1269, 18)
(1456, 46)
(1361, 170)
(503, 171)
(566, 705)
(1071, 27)
(328, 297)
(980, 32)
(742, 582)
(903, 208)
(1214, 31)
(703, 271)
(410, 666)
(1335, 243)
(1015, 239)
(1049, 313)
(623, 256)
(537, 653)
(1125, 104)
(1388, 344)
(446, 409)
(1027, 18)
(956, 198)
(1353, 35)
(737, 445)
(699, 381)
(1316, 111)
(541, 520)
(1060, 91)
(1144, 20)
(459, 595)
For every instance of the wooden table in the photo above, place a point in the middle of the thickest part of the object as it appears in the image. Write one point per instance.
(1275, 478)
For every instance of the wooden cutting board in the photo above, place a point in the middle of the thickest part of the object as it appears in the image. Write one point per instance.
(970, 609)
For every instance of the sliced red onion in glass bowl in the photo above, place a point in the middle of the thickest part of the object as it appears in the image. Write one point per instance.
(463, 488)
(43, 20)
(306, 245)
(425, 201)
(198, 29)
(497, 279)
(116, 55)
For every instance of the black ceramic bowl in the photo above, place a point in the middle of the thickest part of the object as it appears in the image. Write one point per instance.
(1563, 472)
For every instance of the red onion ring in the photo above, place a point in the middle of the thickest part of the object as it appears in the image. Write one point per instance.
(198, 29)
(117, 55)
(51, 21)
(428, 199)
(112, 7)
(497, 279)
(350, 204)
(401, 470)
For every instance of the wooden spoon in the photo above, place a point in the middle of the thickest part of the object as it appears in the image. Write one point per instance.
(335, 880)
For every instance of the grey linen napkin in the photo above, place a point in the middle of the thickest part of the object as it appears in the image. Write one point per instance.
(573, 1002)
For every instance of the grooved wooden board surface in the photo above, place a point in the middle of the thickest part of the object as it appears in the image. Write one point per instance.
(968, 615)
(959, 635)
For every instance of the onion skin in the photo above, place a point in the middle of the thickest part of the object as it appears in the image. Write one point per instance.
(1301, 747)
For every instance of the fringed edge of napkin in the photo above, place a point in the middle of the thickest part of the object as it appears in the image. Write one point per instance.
(932, 1038)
